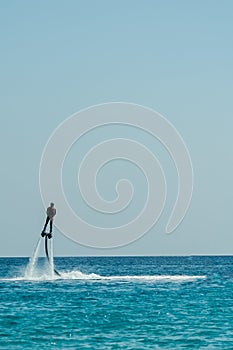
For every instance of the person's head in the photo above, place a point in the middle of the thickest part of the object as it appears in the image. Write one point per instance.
(51, 204)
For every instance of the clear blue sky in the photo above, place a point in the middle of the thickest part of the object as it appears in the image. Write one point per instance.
(176, 57)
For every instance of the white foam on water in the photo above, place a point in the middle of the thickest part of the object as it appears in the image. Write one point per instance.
(78, 275)
(34, 273)
(32, 278)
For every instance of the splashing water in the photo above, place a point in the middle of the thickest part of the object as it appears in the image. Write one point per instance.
(78, 275)
(48, 274)
(33, 272)
(33, 260)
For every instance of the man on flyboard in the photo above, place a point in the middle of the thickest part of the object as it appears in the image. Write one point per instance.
(51, 212)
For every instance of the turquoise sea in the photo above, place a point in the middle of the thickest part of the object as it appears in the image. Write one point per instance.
(117, 303)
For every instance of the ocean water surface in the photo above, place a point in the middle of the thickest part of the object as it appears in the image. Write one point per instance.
(117, 303)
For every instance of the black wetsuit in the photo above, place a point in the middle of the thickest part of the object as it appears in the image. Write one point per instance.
(50, 224)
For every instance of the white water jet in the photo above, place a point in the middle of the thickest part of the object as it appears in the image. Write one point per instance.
(33, 260)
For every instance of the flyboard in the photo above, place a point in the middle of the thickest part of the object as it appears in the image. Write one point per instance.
(48, 236)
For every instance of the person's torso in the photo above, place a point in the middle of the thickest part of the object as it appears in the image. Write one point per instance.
(51, 212)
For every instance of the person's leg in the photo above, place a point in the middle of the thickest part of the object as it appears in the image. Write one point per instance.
(46, 223)
(51, 226)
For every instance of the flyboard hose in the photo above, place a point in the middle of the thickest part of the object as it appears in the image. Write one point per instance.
(47, 254)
